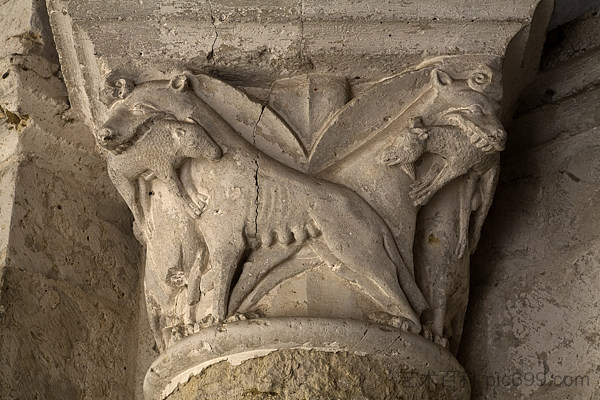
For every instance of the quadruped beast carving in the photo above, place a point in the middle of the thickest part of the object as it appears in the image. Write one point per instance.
(257, 205)
(249, 216)
(467, 134)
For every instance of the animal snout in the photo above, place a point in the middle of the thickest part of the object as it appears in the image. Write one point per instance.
(389, 157)
(501, 143)
(106, 135)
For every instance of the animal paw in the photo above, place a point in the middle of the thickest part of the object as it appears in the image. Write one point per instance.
(235, 318)
(207, 321)
(415, 125)
(442, 341)
(461, 246)
(194, 209)
(420, 184)
(427, 333)
(421, 197)
(409, 326)
(141, 234)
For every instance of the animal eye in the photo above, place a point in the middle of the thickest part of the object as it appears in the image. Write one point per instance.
(143, 108)
(475, 109)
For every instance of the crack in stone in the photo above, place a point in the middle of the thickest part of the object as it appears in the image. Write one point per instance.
(256, 170)
(394, 342)
(574, 177)
(364, 335)
(211, 54)
(301, 52)
(262, 111)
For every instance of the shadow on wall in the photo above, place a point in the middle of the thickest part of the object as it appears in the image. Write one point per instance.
(532, 328)
(568, 10)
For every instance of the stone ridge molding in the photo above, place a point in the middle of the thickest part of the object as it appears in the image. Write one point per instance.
(409, 358)
(257, 212)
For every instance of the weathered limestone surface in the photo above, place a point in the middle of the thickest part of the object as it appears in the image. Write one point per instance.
(242, 204)
(366, 361)
(535, 298)
(68, 300)
(308, 374)
(252, 43)
(73, 318)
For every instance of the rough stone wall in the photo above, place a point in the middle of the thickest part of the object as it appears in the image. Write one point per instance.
(69, 263)
(69, 293)
(532, 326)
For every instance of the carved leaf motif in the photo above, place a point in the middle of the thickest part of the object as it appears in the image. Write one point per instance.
(307, 102)
(368, 113)
(255, 122)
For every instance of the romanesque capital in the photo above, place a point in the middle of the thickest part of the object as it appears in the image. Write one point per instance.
(308, 211)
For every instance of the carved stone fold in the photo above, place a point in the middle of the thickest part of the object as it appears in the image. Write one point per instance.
(312, 207)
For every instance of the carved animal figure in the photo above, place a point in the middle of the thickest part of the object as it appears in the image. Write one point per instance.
(258, 203)
(460, 156)
(156, 148)
(468, 140)
(478, 137)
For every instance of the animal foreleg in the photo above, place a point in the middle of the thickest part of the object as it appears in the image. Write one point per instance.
(467, 190)
(176, 188)
(439, 317)
(194, 291)
(144, 196)
(224, 258)
(425, 188)
(487, 184)
(127, 189)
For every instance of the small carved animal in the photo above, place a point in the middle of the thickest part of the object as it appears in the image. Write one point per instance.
(407, 147)
(155, 149)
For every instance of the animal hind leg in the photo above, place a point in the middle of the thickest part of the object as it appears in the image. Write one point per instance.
(437, 327)
(225, 254)
(366, 262)
(467, 190)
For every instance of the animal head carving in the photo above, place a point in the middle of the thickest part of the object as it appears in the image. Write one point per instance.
(406, 147)
(138, 106)
(464, 103)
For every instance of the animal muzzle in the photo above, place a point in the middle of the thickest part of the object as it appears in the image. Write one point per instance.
(389, 157)
(484, 132)
(107, 137)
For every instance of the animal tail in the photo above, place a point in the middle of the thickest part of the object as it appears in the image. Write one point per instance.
(407, 282)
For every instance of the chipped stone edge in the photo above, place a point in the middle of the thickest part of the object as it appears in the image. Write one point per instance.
(229, 342)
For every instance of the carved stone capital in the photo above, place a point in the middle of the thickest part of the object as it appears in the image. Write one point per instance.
(290, 219)
(297, 199)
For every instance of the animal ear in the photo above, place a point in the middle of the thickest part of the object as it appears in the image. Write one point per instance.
(180, 83)
(479, 81)
(440, 78)
(123, 88)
